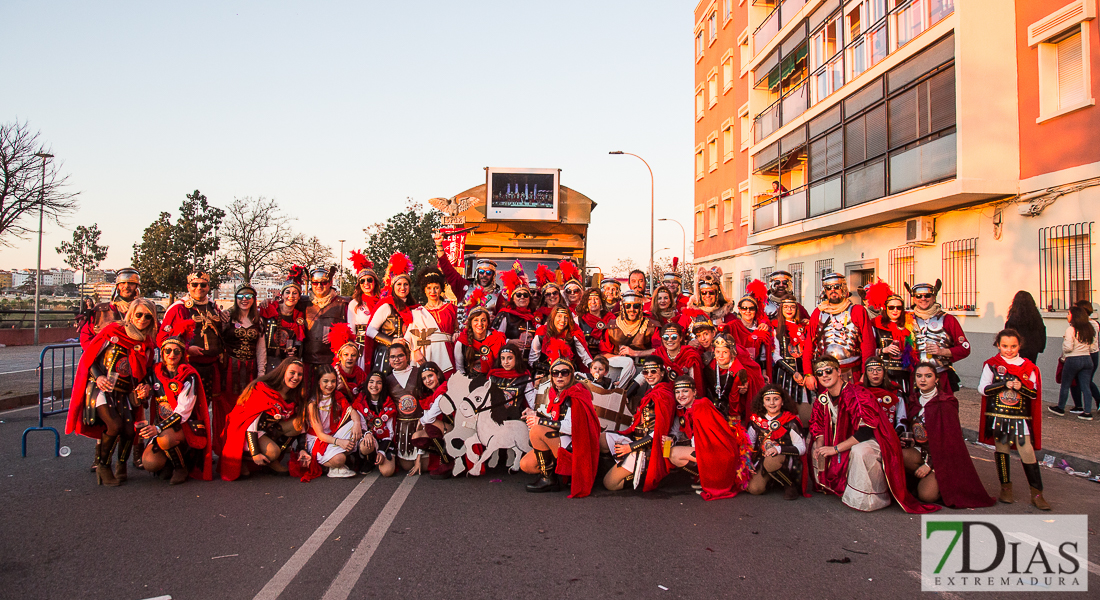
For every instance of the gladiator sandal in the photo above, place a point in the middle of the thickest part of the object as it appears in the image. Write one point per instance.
(1035, 480)
(179, 467)
(1001, 458)
(125, 445)
(548, 480)
(103, 473)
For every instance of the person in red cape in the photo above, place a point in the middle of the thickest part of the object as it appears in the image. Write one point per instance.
(477, 346)
(393, 315)
(379, 414)
(663, 308)
(429, 438)
(558, 337)
(178, 430)
(708, 446)
(284, 324)
(350, 377)
(938, 458)
(638, 449)
(512, 377)
(550, 296)
(730, 383)
(752, 329)
(893, 403)
(268, 417)
(707, 303)
(334, 426)
(593, 318)
(515, 317)
(564, 436)
(680, 358)
(103, 405)
(364, 298)
(856, 453)
(840, 329)
(788, 343)
(1012, 413)
(779, 448)
(894, 335)
(572, 287)
(197, 319)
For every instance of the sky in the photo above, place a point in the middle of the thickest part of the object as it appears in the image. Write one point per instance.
(341, 110)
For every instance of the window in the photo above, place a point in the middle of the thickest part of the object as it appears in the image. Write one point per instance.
(744, 201)
(712, 27)
(960, 276)
(1062, 38)
(727, 210)
(727, 140)
(940, 9)
(922, 132)
(712, 87)
(712, 151)
(909, 19)
(795, 269)
(699, 102)
(825, 62)
(698, 46)
(712, 216)
(727, 11)
(700, 165)
(745, 124)
(744, 48)
(764, 272)
(728, 74)
(1065, 265)
(746, 279)
(727, 285)
(821, 268)
(902, 269)
(699, 224)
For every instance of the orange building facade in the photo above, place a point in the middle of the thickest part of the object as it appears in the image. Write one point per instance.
(907, 140)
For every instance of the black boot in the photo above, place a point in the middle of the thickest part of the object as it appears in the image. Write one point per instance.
(125, 445)
(548, 480)
(1035, 480)
(95, 455)
(179, 467)
(103, 473)
(1001, 458)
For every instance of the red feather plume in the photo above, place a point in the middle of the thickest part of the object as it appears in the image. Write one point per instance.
(477, 298)
(399, 264)
(510, 280)
(543, 275)
(675, 262)
(339, 335)
(360, 262)
(877, 294)
(569, 270)
(296, 274)
(758, 290)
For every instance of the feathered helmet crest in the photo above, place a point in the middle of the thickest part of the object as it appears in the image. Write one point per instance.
(514, 279)
(757, 292)
(878, 294)
(339, 336)
(543, 276)
(476, 299)
(569, 273)
(400, 266)
(294, 278)
(362, 265)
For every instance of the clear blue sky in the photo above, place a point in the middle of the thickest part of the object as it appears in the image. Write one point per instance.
(340, 110)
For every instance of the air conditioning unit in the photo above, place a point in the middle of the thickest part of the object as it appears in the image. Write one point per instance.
(921, 230)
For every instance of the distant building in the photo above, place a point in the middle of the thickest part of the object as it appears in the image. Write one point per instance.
(103, 291)
(96, 276)
(5, 280)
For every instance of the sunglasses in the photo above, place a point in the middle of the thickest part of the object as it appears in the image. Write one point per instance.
(171, 351)
(895, 307)
(245, 296)
(318, 282)
(561, 373)
(198, 284)
(632, 305)
(572, 291)
(922, 296)
(747, 307)
(521, 296)
(669, 337)
(834, 286)
(651, 371)
(708, 293)
(822, 372)
(143, 316)
(366, 279)
(484, 272)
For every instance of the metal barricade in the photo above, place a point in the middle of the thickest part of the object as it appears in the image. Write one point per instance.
(56, 372)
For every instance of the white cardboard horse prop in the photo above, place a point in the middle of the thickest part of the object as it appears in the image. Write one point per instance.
(475, 425)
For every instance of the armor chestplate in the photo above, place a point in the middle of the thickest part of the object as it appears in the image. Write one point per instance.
(932, 331)
(884, 339)
(647, 423)
(1008, 403)
(242, 342)
(838, 337)
(207, 326)
(360, 335)
(771, 309)
(392, 327)
(116, 360)
(593, 342)
(104, 314)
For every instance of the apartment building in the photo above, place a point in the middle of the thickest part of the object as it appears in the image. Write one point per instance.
(907, 140)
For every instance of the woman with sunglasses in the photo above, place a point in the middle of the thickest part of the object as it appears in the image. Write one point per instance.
(178, 429)
(573, 288)
(364, 298)
(663, 309)
(268, 418)
(379, 414)
(431, 334)
(245, 355)
(515, 317)
(550, 296)
(593, 318)
(477, 346)
(637, 450)
(895, 336)
(939, 459)
(284, 323)
(708, 300)
(751, 327)
(104, 402)
(680, 358)
(787, 349)
(564, 435)
(558, 337)
(393, 315)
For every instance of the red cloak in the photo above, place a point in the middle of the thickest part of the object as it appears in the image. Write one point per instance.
(487, 349)
(199, 440)
(750, 342)
(687, 362)
(664, 407)
(251, 404)
(140, 358)
(722, 453)
(960, 486)
(740, 405)
(582, 461)
(1024, 373)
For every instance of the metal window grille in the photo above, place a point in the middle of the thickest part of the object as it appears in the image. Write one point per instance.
(902, 270)
(821, 267)
(796, 280)
(960, 288)
(764, 272)
(727, 285)
(1065, 265)
(746, 279)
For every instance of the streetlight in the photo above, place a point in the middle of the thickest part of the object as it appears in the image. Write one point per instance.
(340, 272)
(41, 213)
(655, 253)
(683, 251)
(652, 282)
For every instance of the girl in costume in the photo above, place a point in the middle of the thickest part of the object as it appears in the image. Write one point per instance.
(680, 358)
(593, 318)
(284, 324)
(394, 313)
(334, 426)
(513, 377)
(707, 446)
(564, 435)
(895, 336)
(378, 412)
(787, 348)
(638, 450)
(778, 443)
(268, 417)
(731, 383)
(477, 346)
(663, 308)
(364, 298)
(516, 318)
(429, 438)
(431, 335)
(245, 355)
(558, 337)
(751, 328)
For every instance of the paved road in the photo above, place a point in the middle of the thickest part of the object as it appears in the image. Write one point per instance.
(273, 537)
(19, 369)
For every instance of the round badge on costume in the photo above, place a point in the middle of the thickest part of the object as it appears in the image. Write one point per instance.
(378, 423)
(114, 339)
(823, 398)
(484, 350)
(175, 387)
(601, 325)
(300, 321)
(189, 303)
(774, 425)
(1001, 371)
(407, 404)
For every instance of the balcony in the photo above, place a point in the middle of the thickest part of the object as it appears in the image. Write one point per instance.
(772, 211)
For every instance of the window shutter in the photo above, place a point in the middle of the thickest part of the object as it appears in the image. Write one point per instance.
(941, 96)
(903, 118)
(1071, 76)
(818, 158)
(876, 131)
(835, 152)
(855, 150)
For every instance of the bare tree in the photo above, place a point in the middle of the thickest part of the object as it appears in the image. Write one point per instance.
(23, 188)
(307, 253)
(257, 232)
(623, 267)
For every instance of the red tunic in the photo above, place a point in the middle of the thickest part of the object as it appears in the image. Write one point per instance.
(446, 317)
(663, 400)
(687, 362)
(140, 358)
(581, 462)
(751, 344)
(1024, 373)
(380, 421)
(349, 386)
(723, 453)
(486, 350)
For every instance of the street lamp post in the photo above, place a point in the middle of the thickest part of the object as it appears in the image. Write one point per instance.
(652, 275)
(41, 215)
(683, 250)
(340, 271)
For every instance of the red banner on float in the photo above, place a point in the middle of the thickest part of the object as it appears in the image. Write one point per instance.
(454, 245)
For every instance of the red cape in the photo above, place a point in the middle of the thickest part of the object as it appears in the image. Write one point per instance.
(1023, 372)
(251, 404)
(141, 358)
(664, 407)
(722, 453)
(960, 486)
(687, 362)
(742, 405)
(494, 340)
(195, 439)
(427, 401)
(749, 342)
(582, 461)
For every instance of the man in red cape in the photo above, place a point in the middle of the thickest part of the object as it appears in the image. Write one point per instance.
(253, 402)
(565, 437)
(845, 420)
(720, 451)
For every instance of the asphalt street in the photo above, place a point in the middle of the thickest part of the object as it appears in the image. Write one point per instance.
(19, 369)
(367, 537)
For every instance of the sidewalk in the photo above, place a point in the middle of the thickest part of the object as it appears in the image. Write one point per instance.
(1069, 438)
(19, 375)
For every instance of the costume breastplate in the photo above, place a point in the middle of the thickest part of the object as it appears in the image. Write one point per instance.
(116, 360)
(838, 337)
(883, 339)
(932, 330)
(103, 315)
(771, 309)
(207, 325)
(242, 341)
(1008, 403)
(392, 326)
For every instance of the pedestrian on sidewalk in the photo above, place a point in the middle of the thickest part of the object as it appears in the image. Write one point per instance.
(1076, 391)
(1078, 344)
(1024, 317)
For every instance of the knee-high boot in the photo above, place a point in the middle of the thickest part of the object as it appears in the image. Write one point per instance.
(1035, 480)
(548, 480)
(179, 466)
(125, 445)
(103, 473)
(1001, 458)
(95, 455)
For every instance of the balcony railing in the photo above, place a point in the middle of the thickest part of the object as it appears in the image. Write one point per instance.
(767, 121)
(772, 211)
(767, 30)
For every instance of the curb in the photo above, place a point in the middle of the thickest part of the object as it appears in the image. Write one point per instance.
(1078, 462)
(10, 402)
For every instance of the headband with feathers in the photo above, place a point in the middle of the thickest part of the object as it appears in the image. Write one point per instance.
(339, 336)
(758, 291)
(543, 275)
(400, 266)
(360, 263)
(295, 277)
(569, 272)
(879, 294)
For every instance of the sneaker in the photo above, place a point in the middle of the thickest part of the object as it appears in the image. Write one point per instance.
(1076, 411)
(341, 472)
(1056, 410)
(1085, 416)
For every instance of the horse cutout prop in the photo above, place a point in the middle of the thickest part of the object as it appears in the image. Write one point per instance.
(481, 429)
(612, 406)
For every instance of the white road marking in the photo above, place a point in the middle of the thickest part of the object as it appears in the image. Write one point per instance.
(160, 598)
(349, 575)
(289, 570)
(35, 405)
(1023, 537)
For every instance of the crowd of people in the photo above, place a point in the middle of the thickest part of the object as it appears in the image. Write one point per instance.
(854, 399)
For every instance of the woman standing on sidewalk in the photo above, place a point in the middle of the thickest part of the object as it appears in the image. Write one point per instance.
(1024, 317)
(1086, 306)
(1078, 344)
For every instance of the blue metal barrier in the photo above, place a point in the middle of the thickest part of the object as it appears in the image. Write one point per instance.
(60, 375)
